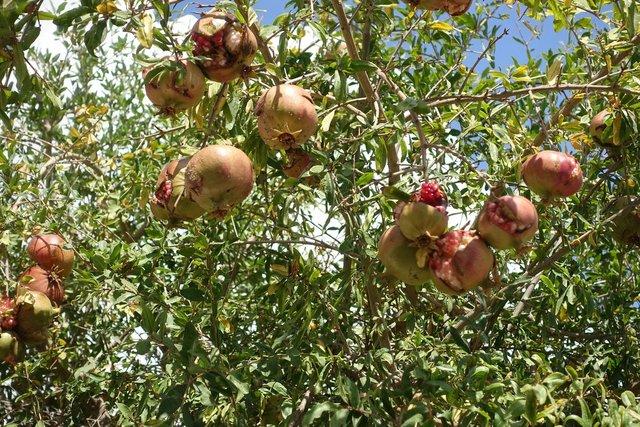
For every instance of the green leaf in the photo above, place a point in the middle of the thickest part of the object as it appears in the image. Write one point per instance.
(94, 37)
(67, 18)
(317, 411)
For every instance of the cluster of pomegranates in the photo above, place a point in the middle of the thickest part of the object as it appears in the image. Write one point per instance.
(419, 249)
(25, 318)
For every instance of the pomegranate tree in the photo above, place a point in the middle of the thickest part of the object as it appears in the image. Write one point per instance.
(286, 116)
(174, 91)
(226, 46)
(399, 257)
(49, 252)
(219, 177)
(552, 174)
(170, 201)
(38, 279)
(460, 262)
(424, 214)
(8, 319)
(452, 7)
(507, 222)
(626, 227)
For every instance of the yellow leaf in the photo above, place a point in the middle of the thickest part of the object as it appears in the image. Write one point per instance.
(326, 122)
(75, 133)
(442, 26)
(107, 7)
(145, 32)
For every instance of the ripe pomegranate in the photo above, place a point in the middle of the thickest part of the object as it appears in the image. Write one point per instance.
(170, 201)
(35, 312)
(40, 280)
(48, 251)
(508, 222)
(452, 7)
(425, 214)
(227, 45)
(174, 91)
(626, 227)
(8, 319)
(298, 163)
(218, 177)
(11, 349)
(552, 174)
(460, 262)
(598, 126)
(286, 116)
(399, 258)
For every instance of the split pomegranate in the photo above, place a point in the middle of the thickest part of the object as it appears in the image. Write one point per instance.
(48, 251)
(552, 174)
(626, 227)
(399, 258)
(298, 163)
(227, 46)
(8, 319)
(174, 91)
(219, 177)
(286, 116)
(425, 214)
(38, 279)
(452, 7)
(460, 262)
(170, 200)
(508, 222)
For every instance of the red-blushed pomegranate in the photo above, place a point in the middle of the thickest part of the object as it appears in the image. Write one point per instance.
(452, 7)
(298, 163)
(170, 201)
(11, 349)
(226, 46)
(219, 177)
(35, 314)
(626, 227)
(38, 279)
(286, 116)
(598, 126)
(399, 257)
(460, 262)
(176, 90)
(508, 222)
(8, 319)
(425, 214)
(552, 174)
(49, 252)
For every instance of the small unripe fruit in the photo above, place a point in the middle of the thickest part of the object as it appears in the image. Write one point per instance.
(49, 252)
(40, 280)
(508, 222)
(219, 177)
(460, 262)
(399, 258)
(170, 200)
(227, 45)
(11, 349)
(425, 214)
(175, 91)
(452, 7)
(552, 174)
(286, 116)
(626, 227)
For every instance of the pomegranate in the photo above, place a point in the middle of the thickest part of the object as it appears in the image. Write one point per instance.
(508, 222)
(400, 258)
(298, 163)
(11, 349)
(626, 227)
(425, 214)
(35, 312)
(170, 201)
(174, 91)
(452, 7)
(286, 116)
(8, 319)
(552, 174)
(460, 262)
(40, 280)
(218, 177)
(48, 251)
(228, 47)
(598, 126)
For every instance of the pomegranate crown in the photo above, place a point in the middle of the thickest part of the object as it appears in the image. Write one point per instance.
(431, 194)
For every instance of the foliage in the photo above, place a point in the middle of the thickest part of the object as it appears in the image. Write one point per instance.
(281, 314)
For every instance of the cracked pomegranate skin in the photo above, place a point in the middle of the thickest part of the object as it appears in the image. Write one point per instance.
(8, 319)
(173, 92)
(461, 261)
(552, 174)
(287, 116)
(227, 45)
(41, 281)
(298, 163)
(399, 258)
(219, 177)
(425, 214)
(170, 201)
(49, 252)
(508, 222)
